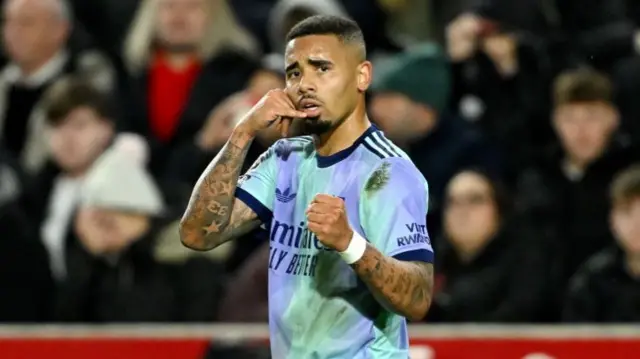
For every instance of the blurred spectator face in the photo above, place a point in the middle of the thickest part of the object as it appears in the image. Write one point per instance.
(625, 223)
(399, 117)
(471, 215)
(499, 46)
(104, 231)
(34, 30)
(585, 129)
(78, 139)
(181, 24)
(262, 82)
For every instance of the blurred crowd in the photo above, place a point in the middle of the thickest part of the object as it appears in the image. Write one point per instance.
(522, 115)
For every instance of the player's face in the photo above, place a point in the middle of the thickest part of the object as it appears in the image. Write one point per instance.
(322, 80)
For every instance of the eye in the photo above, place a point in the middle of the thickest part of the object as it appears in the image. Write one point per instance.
(293, 74)
(324, 68)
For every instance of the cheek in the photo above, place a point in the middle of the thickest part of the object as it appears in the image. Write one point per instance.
(198, 21)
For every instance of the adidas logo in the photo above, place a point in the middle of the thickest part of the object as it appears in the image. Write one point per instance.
(285, 196)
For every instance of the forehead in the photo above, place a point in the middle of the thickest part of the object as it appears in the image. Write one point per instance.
(468, 182)
(31, 7)
(327, 47)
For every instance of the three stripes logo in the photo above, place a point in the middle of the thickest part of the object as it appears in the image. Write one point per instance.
(285, 196)
(380, 146)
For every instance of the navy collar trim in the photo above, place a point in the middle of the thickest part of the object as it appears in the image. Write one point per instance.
(328, 161)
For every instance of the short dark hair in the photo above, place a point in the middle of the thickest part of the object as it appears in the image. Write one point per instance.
(626, 186)
(70, 93)
(582, 85)
(345, 29)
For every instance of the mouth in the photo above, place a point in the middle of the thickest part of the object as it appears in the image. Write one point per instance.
(310, 107)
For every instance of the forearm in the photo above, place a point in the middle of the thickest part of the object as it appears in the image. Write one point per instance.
(209, 211)
(402, 287)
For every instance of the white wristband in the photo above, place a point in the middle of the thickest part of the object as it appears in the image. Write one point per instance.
(355, 250)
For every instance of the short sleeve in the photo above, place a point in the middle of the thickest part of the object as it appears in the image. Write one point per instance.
(393, 211)
(256, 188)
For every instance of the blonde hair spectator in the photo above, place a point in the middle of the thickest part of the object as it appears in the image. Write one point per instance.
(223, 31)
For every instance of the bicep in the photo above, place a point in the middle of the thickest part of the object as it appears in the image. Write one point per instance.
(243, 220)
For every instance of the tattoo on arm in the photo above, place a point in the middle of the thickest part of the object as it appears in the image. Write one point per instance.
(211, 217)
(403, 287)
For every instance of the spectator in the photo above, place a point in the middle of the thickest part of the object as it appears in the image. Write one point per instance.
(564, 192)
(112, 274)
(409, 103)
(500, 82)
(575, 31)
(185, 57)
(607, 288)
(35, 39)
(25, 279)
(81, 128)
(483, 267)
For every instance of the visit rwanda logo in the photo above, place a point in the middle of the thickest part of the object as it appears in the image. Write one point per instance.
(285, 196)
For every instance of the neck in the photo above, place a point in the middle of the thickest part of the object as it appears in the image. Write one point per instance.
(179, 60)
(574, 163)
(79, 173)
(344, 135)
(30, 68)
(466, 255)
(632, 262)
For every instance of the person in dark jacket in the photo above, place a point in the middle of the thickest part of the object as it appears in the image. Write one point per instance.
(500, 83)
(487, 269)
(183, 58)
(113, 276)
(564, 192)
(607, 288)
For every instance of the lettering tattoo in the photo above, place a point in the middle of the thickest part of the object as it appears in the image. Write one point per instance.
(402, 287)
(213, 215)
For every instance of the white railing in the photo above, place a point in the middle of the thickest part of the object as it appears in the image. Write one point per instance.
(258, 331)
(159, 341)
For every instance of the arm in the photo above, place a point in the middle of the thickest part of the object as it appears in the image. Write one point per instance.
(402, 287)
(397, 262)
(214, 215)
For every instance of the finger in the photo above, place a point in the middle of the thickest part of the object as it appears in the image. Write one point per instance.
(321, 208)
(286, 104)
(316, 217)
(327, 198)
(290, 112)
(315, 227)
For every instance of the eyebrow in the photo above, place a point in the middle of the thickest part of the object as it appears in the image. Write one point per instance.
(312, 62)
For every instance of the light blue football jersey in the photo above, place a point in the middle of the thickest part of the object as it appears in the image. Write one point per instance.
(318, 308)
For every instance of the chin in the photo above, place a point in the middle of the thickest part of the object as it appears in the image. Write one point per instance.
(315, 126)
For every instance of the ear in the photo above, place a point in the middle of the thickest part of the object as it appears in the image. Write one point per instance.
(365, 73)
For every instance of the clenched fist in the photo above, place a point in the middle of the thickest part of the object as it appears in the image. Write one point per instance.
(327, 219)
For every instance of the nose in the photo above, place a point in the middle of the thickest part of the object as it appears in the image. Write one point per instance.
(307, 85)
